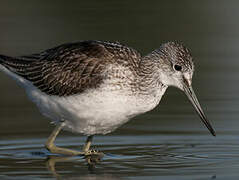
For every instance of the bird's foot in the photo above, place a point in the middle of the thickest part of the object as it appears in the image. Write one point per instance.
(93, 152)
(93, 156)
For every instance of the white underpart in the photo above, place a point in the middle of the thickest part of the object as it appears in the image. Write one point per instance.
(93, 112)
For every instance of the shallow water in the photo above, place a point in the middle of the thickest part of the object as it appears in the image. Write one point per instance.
(126, 157)
(168, 143)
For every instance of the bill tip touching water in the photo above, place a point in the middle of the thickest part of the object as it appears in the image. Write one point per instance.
(93, 87)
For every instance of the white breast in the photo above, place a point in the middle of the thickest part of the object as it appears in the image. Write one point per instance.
(93, 112)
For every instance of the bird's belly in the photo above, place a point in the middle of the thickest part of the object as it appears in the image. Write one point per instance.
(93, 112)
(98, 111)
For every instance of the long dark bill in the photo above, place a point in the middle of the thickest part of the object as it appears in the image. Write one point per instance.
(192, 97)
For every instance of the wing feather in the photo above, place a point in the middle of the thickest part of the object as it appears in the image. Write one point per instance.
(71, 68)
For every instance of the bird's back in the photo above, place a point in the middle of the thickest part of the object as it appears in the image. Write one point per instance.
(72, 68)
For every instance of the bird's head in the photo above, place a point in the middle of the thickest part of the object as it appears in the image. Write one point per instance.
(176, 69)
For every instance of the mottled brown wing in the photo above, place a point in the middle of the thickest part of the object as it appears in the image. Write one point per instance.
(70, 68)
(65, 70)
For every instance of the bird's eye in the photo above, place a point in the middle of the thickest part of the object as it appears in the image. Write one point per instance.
(177, 67)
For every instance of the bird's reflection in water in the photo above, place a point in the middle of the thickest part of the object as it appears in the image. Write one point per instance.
(91, 162)
(93, 173)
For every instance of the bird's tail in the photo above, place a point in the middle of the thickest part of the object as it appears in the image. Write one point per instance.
(14, 67)
(13, 64)
(6, 61)
(3, 58)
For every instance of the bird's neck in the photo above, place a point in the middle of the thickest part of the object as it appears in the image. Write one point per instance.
(149, 77)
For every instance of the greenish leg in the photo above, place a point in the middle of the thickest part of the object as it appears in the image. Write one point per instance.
(54, 149)
(88, 142)
(58, 150)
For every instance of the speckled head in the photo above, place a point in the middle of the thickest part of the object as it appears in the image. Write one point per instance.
(176, 64)
(177, 54)
(175, 68)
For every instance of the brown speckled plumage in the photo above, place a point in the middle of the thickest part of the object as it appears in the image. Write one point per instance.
(72, 68)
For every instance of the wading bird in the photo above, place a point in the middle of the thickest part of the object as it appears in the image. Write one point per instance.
(93, 87)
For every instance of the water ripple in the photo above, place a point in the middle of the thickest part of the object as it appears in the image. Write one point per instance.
(176, 155)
